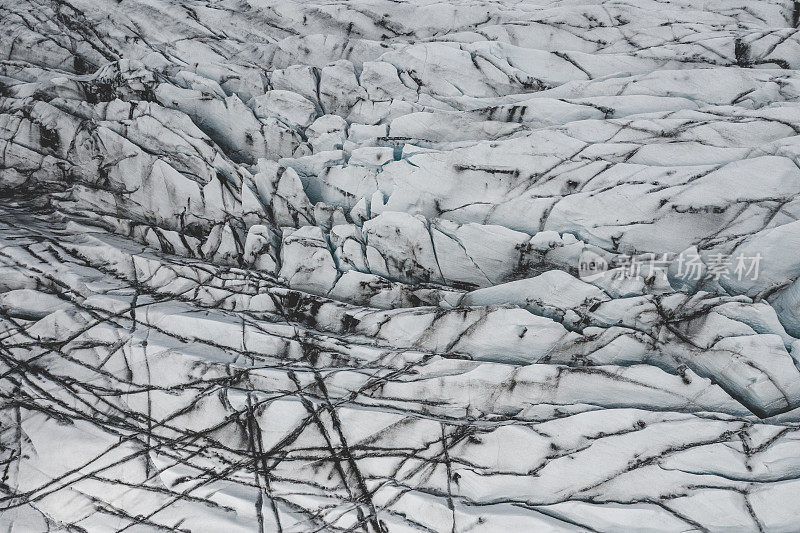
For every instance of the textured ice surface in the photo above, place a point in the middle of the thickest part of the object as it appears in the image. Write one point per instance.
(283, 266)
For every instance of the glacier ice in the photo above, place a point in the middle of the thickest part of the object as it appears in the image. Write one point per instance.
(285, 266)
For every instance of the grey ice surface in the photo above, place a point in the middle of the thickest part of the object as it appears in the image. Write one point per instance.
(379, 266)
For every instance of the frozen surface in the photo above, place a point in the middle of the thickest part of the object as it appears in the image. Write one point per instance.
(283, 266)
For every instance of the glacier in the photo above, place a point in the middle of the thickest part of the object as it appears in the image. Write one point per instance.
(380, 266)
